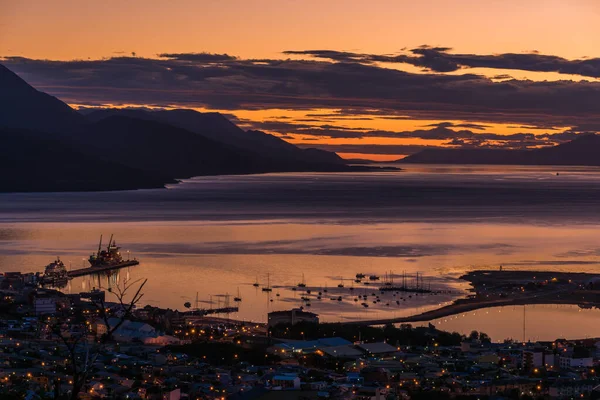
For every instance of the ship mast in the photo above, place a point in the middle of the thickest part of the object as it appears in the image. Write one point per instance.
(99, 246)
(110, 241)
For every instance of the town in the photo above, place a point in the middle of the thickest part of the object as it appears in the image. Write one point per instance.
(102, 344)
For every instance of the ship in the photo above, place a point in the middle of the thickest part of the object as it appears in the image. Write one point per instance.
(110, 257)
(55, 272)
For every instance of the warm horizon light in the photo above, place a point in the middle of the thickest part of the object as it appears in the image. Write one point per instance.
(341, 76)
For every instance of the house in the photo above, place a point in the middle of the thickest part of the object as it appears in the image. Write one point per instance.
(127, 331)
(286, 382)
(307, 346)
(44, 305)
(379, 349)
(342, 352)
(571, 388)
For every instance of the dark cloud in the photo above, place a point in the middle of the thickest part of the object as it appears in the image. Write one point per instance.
(502, 76)
(381, 149)
(199, 80)
(198, 57)
(439, 59)
(454, 125)
(440, 132)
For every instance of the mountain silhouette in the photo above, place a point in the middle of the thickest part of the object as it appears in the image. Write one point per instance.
(584, 150)
(217, 127)
(55, 148)
(38, 162)
(23, 107)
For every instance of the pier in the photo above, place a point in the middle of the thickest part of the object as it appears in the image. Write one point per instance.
(104, 268)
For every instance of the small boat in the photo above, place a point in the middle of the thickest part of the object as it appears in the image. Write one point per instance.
(303, 283)
(373, 278)
(360, 276)
(341, 284)
(238, 298)
(268, 287)
(256, 284)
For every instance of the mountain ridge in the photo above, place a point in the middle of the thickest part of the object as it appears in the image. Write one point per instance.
(582, 151)
(116, 152)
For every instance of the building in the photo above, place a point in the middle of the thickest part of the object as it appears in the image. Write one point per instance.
(286, 382)
(576, 362)
(571, 388)
(292, 317)
(127, 331)
(44, 305)
(380, 349)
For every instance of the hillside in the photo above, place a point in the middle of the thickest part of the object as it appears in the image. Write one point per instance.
(584, 150)
(54, 148)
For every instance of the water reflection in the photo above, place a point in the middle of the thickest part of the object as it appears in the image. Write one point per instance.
(526, 323)
(210, 236)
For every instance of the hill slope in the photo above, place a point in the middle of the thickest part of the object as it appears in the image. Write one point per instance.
(37, 163)
(217, 127)
(22, 106)
(584, 150)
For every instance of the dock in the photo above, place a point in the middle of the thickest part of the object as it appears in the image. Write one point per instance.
(94, 270)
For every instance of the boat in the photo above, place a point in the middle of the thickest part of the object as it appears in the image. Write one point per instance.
(360, 276)
(256, 284)
(374, 277)
(341, 284)
(55, 271)
(111, 257)
(268, 287)
(303, 283)
(238, 298)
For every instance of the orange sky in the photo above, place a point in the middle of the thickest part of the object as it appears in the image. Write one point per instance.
(69, 29)
(66, 29)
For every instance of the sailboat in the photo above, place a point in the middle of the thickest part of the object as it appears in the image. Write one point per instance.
(341, 284)
(256, 284)
(303, 283)
(268, 287)
(237, 298)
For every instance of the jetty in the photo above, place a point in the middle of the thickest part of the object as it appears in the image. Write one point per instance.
(104, 268)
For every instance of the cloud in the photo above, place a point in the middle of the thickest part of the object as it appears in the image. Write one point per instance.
(439, 132)
(439, 59)
(198, 57)
(453, 125)
(229, 83)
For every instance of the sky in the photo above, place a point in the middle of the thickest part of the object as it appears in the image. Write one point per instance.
(378, 79)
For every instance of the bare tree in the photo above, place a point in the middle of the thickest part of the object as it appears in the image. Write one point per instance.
(120, 292)
(77, 343)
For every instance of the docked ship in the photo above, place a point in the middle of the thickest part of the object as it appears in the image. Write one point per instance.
(109, 257)
(55, 272)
